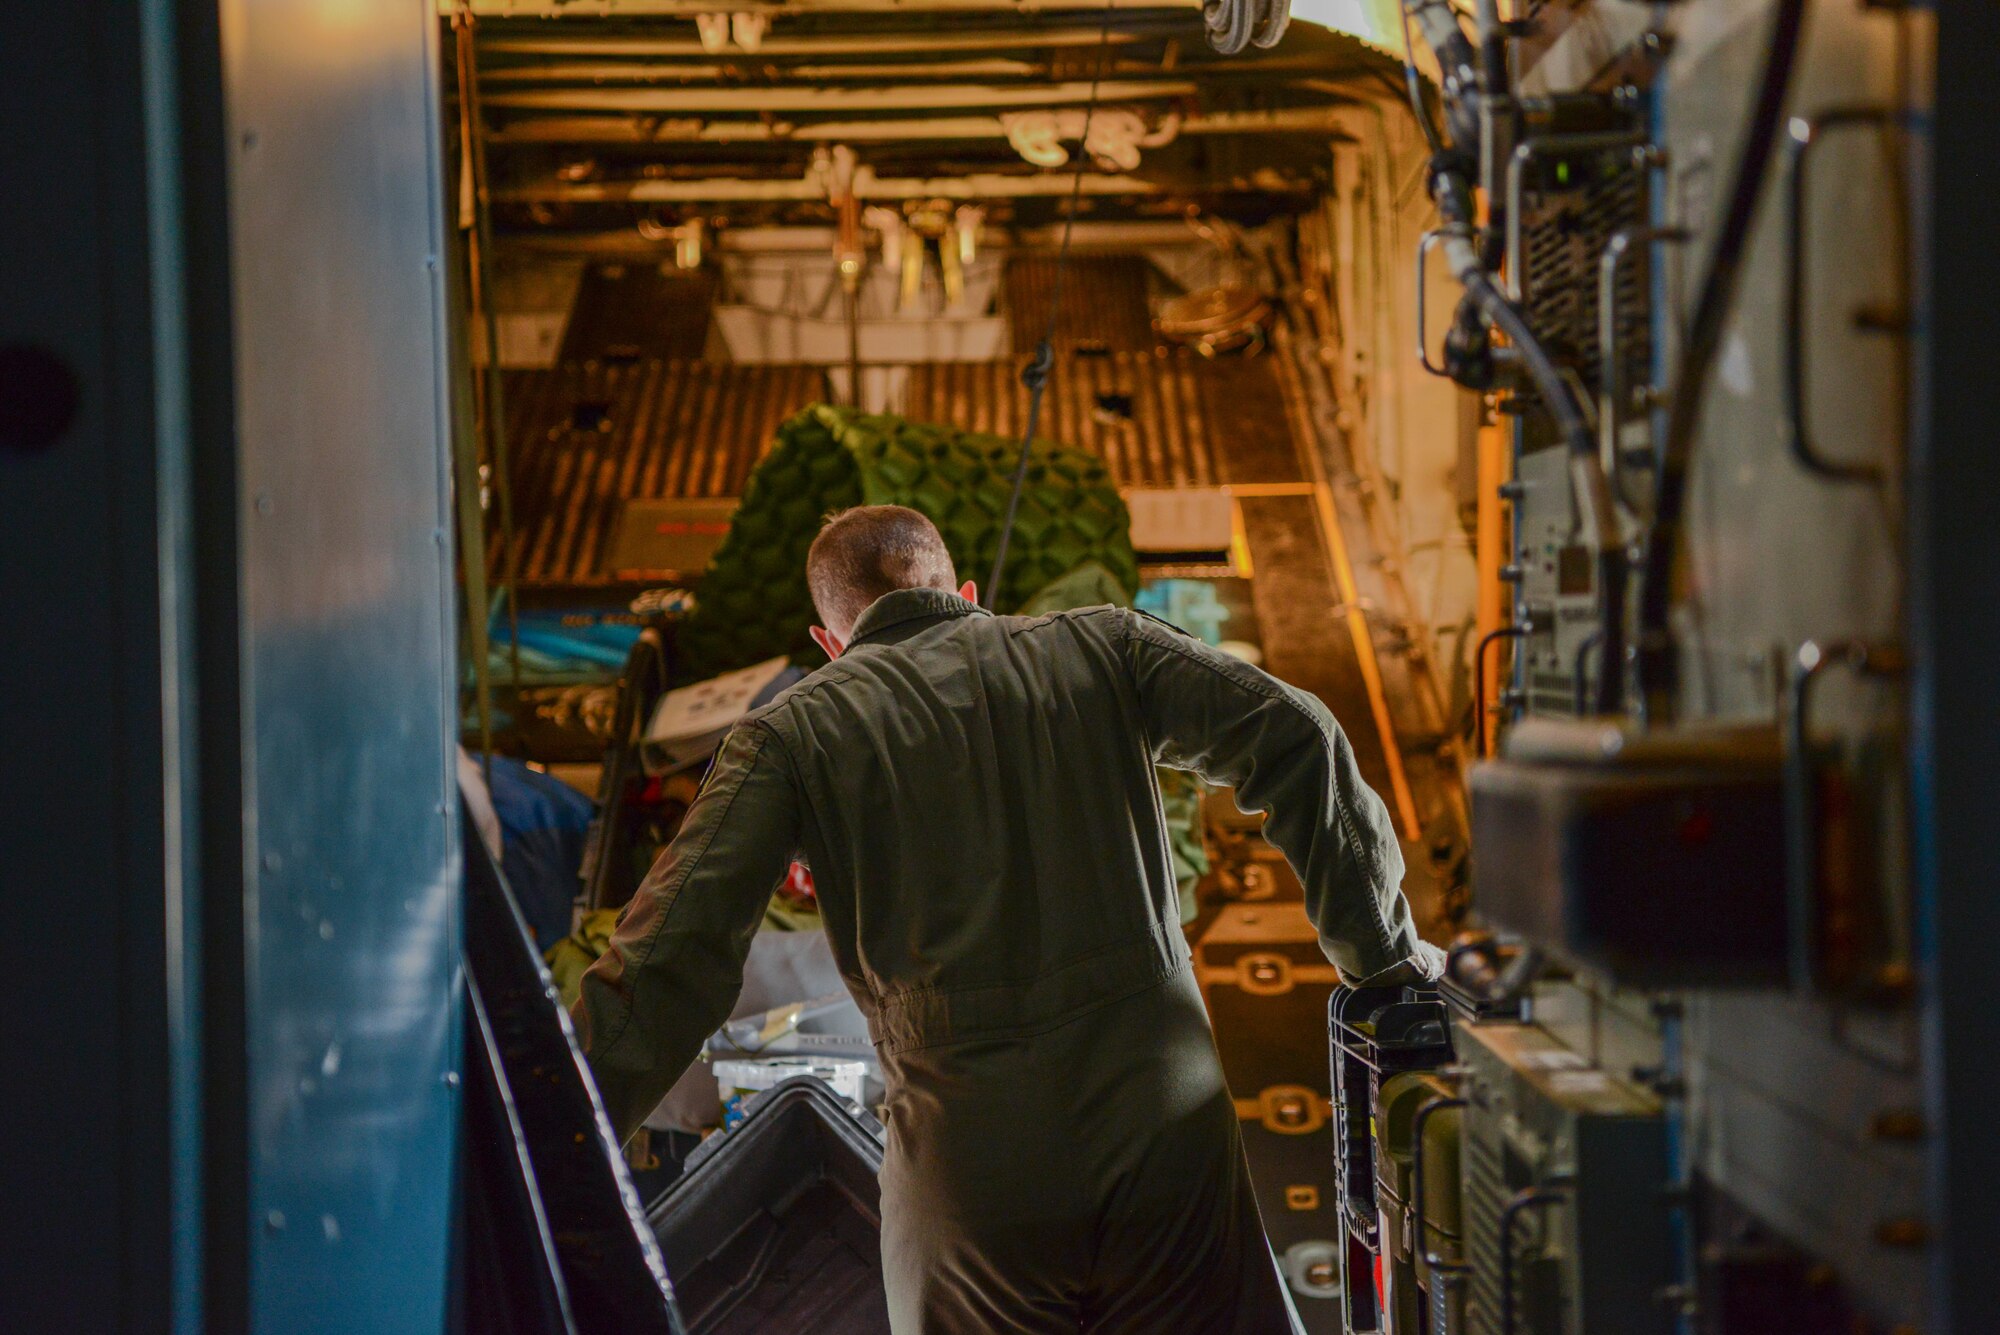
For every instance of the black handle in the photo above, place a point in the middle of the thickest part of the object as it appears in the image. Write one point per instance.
(1802, 871)
(1806, 132)
(1479, 683)
(1531, 1199)
(1417, 1225)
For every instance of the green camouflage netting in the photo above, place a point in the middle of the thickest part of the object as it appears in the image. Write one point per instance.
(753, 603)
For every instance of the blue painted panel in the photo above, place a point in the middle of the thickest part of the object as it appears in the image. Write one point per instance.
(97, 1104)
(354, 936)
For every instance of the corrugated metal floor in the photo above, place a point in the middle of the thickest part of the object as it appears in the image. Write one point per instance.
(588, 436)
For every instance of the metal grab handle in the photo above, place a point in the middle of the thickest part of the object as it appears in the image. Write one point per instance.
(1517, 167)
(1424, 245)
(1802, 871)
(1581, 701)
(1807, 131)
(1532, 1198)
(1417, 1226)
(1486, 642)
(1610, 361)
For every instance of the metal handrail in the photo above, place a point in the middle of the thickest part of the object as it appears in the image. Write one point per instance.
(1531, 1199)
(1424, 244)
(1610, 361)
(1486, 641)
(1807, 131)
(1417, 1224)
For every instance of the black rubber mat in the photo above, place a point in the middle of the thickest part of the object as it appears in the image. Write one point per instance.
(1305, 642)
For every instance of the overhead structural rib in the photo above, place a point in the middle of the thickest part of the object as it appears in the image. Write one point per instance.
(907, 97)
(867, 186)
(1320, 120)
(574, 9)
(631, 48)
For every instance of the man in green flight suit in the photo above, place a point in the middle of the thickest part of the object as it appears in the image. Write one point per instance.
(976, 797)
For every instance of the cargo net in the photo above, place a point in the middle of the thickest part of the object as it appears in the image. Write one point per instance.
(753, 603)
(1565, 225)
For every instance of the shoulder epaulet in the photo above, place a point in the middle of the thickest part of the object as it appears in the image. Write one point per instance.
(1158, 621)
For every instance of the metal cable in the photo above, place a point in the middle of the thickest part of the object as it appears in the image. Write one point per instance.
(1036, 374)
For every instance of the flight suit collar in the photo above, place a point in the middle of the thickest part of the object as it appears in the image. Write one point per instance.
(907, 611)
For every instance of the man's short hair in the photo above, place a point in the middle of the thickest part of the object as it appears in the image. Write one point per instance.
(863, 553)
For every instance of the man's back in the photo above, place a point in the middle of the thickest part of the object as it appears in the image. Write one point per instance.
(984, 829)
(976, 798)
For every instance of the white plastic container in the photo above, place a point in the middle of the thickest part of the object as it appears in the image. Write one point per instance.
(741, 1078)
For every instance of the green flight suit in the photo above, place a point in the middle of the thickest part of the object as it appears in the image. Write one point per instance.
(976, 798)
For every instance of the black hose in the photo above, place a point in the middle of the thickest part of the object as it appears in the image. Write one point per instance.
(1453, 196)
(1592, 492)
(1466, 75)
(1458, 76)
(1495, 95)
(1658, 670)
(1413, 82)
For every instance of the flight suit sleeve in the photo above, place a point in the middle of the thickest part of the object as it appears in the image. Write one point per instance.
(1285, 755)
(675, 965)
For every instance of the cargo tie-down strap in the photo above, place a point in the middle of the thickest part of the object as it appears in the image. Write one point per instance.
(1035, 375)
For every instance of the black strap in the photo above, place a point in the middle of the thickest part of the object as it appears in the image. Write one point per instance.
(1035, 375)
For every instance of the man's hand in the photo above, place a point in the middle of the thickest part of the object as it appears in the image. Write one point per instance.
(1424, 967)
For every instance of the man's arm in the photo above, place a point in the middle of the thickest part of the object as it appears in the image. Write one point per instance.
(1284, 755)
(675, 964)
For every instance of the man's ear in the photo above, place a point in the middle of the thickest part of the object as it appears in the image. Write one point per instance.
(969, 591)
(828, 641)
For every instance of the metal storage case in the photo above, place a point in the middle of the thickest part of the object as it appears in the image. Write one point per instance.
(1381, 1037)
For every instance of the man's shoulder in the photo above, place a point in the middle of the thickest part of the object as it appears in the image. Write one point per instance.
(1107, 618)
(1104, 618)
(802, 691)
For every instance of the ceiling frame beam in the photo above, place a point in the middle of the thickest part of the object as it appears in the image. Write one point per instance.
(855, 44)
(868, 186)
(582, 9)
(1317, 120)
(626, 243)
(735, 65)
(907, 97)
